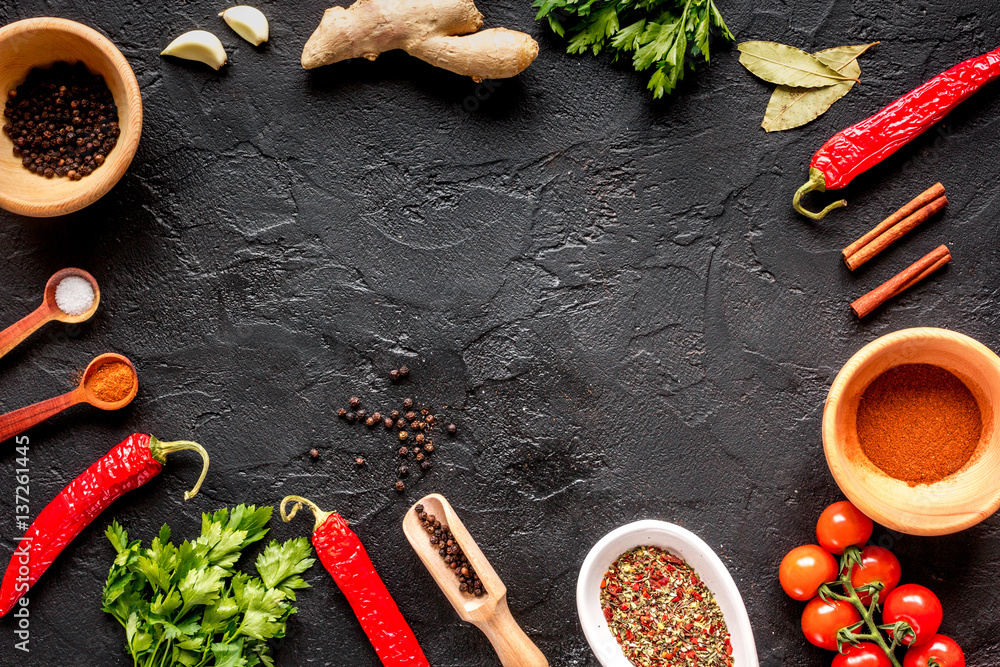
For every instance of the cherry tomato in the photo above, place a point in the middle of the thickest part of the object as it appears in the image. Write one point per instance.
(804, 569)
(843, 525)
(864, 654)
(877, 564)
(943, 649)
(821, 620)
(919, 607)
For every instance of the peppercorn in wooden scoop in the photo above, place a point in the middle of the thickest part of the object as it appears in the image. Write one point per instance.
(109, 383)
(488, 611)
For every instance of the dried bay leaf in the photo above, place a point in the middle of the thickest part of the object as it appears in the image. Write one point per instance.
(787, 66)
(793, 107)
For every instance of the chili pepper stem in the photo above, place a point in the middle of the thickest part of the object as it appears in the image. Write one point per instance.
(159, 450)
(817, 181)
(299, 501)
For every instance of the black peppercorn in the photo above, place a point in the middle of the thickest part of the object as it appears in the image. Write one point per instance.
(420, 438)
(430, 419)
(314, 453)
(342, 413)
(400, 424)
(403, 471)
(388, 422)
(452, 429)
(354, 402)
(403, 435)
(400, 486)
(429, 447)
(377, 416)
(408, 403)
(370, 421)
(420, 456)
(394, 414)
(404, 371)
(425, 465)
(403, 451)
(394, 375)
(350, 416)
(362, 414)
(418, 508)
(360, 460)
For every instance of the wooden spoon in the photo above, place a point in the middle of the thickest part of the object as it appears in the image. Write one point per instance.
(489, 613)
(48, 311)
(19, 421)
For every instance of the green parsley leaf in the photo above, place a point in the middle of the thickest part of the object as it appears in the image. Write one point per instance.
(280, 564)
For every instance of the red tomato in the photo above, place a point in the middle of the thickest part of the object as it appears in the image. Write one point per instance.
(804, 569)
(843, 525)
(877, 564)
(864, 654)
(943, 649)
(821, 620)
(919, 607)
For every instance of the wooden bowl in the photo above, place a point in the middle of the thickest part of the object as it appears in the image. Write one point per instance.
(954, 503)
(40, 42)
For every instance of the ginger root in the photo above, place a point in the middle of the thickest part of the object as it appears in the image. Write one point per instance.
(440, 32)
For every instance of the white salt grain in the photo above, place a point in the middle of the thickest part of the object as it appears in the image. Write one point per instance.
(74, 295)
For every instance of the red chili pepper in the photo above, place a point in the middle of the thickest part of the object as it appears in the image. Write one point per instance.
(345, 558)
(129, 465)
(860, 147)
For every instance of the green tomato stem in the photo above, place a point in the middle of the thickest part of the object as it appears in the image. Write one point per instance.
(847, 562)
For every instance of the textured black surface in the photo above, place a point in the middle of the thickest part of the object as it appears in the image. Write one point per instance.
(613, 295)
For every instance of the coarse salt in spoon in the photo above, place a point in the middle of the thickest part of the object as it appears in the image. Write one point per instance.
(71, 296)
(488, 612)
(109, 383)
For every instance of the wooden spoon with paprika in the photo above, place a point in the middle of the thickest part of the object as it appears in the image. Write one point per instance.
(109, 383)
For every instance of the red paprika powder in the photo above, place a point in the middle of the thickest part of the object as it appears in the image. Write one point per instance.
(919, 423)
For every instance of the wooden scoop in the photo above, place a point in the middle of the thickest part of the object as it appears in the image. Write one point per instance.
(489, 613)
(48, 311)
(19, 421)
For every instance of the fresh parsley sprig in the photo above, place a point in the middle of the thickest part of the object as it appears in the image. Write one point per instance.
(188, 605)
(657, 33)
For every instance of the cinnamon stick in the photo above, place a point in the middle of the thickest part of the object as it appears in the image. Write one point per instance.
(921, 200)
(893, 233)
(903, 281)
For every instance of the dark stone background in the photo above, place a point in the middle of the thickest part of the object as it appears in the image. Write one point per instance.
(612, 295)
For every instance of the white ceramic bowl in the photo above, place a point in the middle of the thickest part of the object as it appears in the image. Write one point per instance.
(680, 542)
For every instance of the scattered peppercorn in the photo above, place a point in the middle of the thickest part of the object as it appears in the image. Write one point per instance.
(420, 438)
(400, 486)
(351, 416)
(425, 465)
(400, 423)
(410, 416)
(429, 447)
(403, 451)
(370, 421)
(394, 375)
(452, 429)
(377, 416)
(362, 413)
(360, 460)
(62, 121)
(420, 456)
(388, 423)
(342, 413)
(314, 453)
(430, 419)
(403, 471)
(408, 403)
(403, 435)
(354, 402)
(394, 414)
(404, 371)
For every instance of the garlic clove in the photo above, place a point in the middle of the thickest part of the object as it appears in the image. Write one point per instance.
(199, 45)
(248, 22)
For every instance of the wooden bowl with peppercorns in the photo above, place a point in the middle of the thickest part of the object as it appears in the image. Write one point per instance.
(891, 431)
(34, 45)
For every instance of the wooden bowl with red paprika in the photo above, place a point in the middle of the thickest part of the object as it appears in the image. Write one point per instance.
(909, 431)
